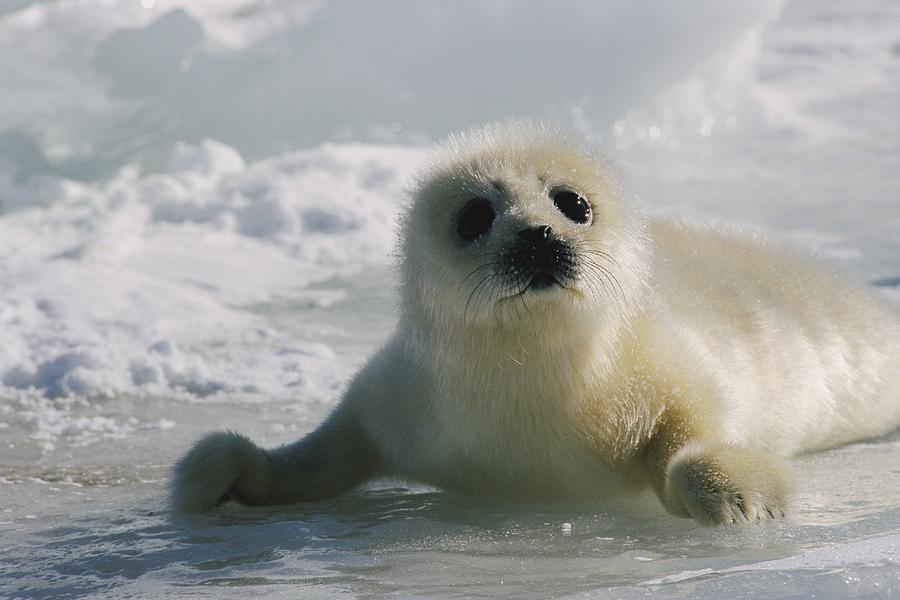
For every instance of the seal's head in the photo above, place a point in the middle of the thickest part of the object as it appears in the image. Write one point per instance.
(516, 225)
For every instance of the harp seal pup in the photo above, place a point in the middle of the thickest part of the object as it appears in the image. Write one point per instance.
(552, 343)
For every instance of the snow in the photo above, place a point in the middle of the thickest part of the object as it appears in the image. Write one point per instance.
(197, 212)
(146, 284)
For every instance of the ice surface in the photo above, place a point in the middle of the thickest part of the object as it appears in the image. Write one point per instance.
(192, 237)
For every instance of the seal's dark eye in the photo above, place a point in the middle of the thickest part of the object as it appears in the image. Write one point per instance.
(475, 219)
(573, 205)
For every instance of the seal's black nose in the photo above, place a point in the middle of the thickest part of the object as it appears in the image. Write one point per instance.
(538, 259)
(537, 235)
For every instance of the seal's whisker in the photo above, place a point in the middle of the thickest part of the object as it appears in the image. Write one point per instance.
(477, 269)
(481, 283)
(488, 294)
(584, 247)
(595, 284)
(606, 274)
(525, 304)
(493, 289)
(604, 280)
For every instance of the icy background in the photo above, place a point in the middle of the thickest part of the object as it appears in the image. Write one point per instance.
(197, 203)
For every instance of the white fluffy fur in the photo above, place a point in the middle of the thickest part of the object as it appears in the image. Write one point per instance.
(695, 362)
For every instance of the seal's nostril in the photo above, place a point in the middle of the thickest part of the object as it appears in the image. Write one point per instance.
(538, 234)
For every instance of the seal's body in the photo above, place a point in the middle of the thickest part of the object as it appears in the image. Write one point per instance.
(553, 344)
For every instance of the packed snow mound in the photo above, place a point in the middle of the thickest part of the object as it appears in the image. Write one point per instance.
(145, 284)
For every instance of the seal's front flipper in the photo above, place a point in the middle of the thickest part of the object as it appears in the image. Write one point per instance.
(205, 476)
(712, 482)
(226, 465)
(723, 483)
